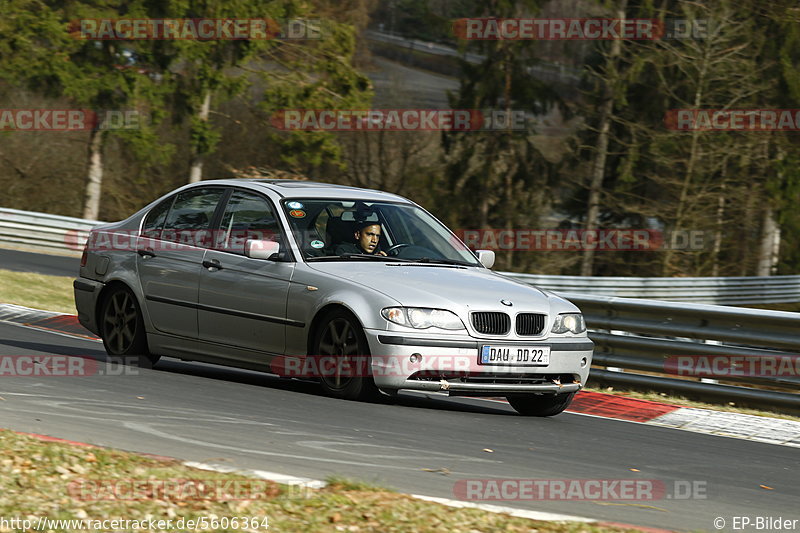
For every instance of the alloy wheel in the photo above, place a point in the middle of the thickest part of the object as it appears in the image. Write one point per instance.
(120, 322)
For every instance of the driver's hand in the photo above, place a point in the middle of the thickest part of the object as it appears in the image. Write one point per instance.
(381, 253)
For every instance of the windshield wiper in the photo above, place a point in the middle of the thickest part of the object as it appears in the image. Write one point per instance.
(443, 261)
(428, 260)
(345, 257)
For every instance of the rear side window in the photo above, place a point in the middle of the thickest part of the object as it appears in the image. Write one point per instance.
(189, 220)
(247, 216)
(154, 221)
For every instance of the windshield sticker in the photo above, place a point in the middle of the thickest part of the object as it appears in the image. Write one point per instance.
(297, 213)
(317, 244)
(295, 205)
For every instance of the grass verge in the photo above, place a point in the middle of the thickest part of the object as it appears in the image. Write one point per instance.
(52, 293)
(61, 481)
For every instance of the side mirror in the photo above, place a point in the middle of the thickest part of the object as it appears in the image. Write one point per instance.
(486, 257)
(257, 249)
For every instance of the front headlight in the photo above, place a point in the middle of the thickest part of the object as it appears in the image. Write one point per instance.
(569, 323)
(422, 318)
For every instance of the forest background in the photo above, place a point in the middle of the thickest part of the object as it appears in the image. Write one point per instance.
(596, 152)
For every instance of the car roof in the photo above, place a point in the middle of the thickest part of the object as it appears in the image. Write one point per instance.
(288, 188)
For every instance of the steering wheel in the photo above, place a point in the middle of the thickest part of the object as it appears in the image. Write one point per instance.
(395, 248)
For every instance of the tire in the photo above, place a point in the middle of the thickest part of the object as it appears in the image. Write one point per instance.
(122, 329)
(540, 404)
(341, 336)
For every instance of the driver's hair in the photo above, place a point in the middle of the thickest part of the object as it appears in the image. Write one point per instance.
(366, 223)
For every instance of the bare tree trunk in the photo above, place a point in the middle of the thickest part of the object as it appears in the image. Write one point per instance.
(599, 164)
(91, 202)
(747, 224)
(718, 230)
(769, 250)
(687, 179)
(706, 64)
(196, 168)
(770, 246)
(483, 207)
(509, 182)
(720, 218)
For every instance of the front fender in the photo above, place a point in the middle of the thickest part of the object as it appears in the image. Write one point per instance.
(311, 292)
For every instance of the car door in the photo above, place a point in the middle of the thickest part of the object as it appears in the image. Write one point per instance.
(242, 301)
(175, 237)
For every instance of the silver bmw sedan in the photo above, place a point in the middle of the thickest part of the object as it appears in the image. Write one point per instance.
(362, 290)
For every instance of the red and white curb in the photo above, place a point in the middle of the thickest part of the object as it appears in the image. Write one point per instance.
(721, 423)
(59, 323)
(736, 425)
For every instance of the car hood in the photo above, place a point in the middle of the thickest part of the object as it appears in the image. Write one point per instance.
(444, 287)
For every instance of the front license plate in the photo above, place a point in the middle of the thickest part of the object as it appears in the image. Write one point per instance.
(515, 355)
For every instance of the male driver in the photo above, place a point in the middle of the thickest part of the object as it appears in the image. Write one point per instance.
(367, 236)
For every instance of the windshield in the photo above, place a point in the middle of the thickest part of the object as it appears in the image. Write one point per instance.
(340, 230)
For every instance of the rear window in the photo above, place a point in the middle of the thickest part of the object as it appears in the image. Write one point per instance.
(154, 221)
(189, 220)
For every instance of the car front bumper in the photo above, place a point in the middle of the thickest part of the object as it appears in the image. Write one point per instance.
(451, 365)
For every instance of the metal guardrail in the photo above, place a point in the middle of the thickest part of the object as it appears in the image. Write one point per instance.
(722, 291)
(45, 232)
(642, 335)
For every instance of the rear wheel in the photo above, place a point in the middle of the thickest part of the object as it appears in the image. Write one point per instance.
(122, 328)
(540, 404)
(341, 339)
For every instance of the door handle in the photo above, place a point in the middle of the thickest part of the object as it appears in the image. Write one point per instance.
(212, 263)
(146, 252)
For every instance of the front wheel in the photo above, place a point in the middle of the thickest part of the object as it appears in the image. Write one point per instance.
(540, 404)
(122, 328)
(341, 339)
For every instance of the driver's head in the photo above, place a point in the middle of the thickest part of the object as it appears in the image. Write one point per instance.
(367, 236)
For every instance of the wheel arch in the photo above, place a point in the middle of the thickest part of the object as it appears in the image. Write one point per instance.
(101, 299)
(316, 322)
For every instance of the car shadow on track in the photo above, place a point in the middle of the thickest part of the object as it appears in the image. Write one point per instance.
(262, 379)
(461, 403)
(57, 349)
